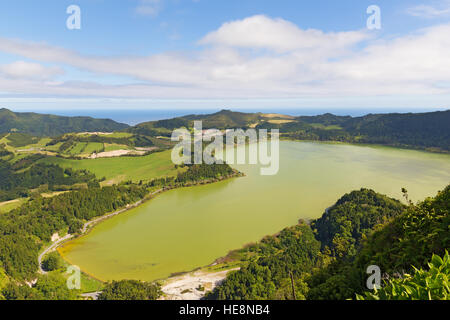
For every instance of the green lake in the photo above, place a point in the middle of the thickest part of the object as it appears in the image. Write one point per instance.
(187, 228)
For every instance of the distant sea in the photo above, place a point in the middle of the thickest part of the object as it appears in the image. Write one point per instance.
(133, 117)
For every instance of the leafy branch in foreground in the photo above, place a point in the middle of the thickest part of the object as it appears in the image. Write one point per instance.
(422, 285)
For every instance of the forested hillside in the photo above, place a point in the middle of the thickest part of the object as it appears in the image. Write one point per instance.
(266, 274)
(224, 119)
(363, 228)
(50, 125)
(17, 180)
(343, 226)
(430, 131)
(25, 230)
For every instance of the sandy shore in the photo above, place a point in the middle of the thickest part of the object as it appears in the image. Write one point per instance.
(185, 287)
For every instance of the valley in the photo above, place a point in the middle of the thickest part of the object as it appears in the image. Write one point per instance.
(202, 215)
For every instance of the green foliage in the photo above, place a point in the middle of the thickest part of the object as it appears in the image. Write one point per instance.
(224, 119)
(54, 287)
(16, 182)
(337, 281)
(24, 229)
(361, 229)
(284, 290)
(16, 139)
(13, 291)
(3, 151)
(18, 253)
(130, 290)
(411, 238)
(172, 123)
(421, 130)
(413, 129)
(408, 240)
(51, 125)
(4, 280)
(48, 287)
(267, 274)
(203, 171)
(422, 285)
(344, 225)
(52, 262)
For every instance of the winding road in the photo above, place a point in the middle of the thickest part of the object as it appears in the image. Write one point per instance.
(56, 243)
(52, 247)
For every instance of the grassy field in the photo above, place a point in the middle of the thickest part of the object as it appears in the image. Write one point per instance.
(39, 144)
(78, 148)
(114, 147)
(88, 284)
(11, 205)
(54, 147)
(123, 168)
(93, 147)
(120, 135)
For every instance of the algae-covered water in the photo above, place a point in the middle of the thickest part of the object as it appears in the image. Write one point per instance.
(187, 228)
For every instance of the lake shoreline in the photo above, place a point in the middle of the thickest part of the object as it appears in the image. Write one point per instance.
(90, 225)
(317, 159)
(366, 144)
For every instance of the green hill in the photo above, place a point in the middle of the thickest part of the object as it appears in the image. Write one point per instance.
(371, 229)
(429, 131)
(224, 119)
(50, 125)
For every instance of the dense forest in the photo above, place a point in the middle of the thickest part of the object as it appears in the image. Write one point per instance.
(48, 287)
(395, 237)
(16, 182)
(4, 152)
(271, 263)
(343, 226)
(24, 230)
(130, 290)
(421, 130)
(50, 125)
(428, 131)
(198, 172)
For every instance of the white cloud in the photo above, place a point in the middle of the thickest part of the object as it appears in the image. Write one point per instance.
(149, 7)
(430, 11)
(238, 61)
(278, 35)
(29, 70)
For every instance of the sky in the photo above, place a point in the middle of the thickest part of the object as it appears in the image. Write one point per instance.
(144, 54)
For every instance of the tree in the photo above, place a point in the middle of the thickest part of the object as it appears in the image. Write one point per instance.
(130, 290)
(52, 262)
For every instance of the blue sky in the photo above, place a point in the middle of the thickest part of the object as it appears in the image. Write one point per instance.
(247, 53)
